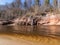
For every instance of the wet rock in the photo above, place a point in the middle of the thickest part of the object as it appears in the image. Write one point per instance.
(7, 23)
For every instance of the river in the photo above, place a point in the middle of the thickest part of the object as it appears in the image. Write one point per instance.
(29, 35)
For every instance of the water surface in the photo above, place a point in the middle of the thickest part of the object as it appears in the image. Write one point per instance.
(30, 35)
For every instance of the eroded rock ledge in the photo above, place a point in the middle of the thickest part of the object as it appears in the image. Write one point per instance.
(48, 19)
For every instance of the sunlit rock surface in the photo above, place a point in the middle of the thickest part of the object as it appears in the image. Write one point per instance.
(50, 19)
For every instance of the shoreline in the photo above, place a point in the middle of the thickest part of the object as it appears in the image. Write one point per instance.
(48, 19)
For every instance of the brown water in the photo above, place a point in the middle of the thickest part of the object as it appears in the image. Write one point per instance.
(30, 35)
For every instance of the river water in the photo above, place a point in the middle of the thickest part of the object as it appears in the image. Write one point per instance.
(29, 35)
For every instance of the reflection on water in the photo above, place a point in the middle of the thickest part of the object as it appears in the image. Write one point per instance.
(44, 35)
(32, 30)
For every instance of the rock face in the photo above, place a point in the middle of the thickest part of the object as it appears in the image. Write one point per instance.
(24, 21)
(50, 19)
(53, 20)
(30, 20)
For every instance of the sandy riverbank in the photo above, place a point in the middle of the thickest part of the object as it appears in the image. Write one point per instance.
(27, 40)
